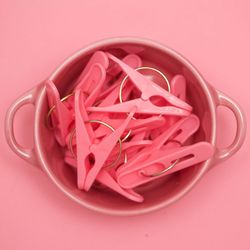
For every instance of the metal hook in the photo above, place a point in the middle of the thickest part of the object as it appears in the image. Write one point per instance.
(47, 121)
(160, 173)
(166, 169)
(72, 134)
(125, 79)
(143, 68)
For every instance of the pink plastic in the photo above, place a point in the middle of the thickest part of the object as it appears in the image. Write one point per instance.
(176, 136)
(133, 146)
(86, 173)
(132, 60)
(144, 124)
(159, 160)
(148, 90)
(105, 178)
(179, 132)
(203, 97)
(98, 57)
(103, 149)
(112, 93)
(178, 86)
(61, 116)
(84, 137)
(92, 83)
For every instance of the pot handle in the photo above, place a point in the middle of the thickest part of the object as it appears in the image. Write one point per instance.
(223, 154)
(27, 154)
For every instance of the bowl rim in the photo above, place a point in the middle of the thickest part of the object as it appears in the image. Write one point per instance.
(139, 41)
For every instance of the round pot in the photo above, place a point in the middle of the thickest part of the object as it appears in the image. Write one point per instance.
(48, 156)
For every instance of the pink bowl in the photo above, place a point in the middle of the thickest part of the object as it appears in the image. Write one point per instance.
(47, 154)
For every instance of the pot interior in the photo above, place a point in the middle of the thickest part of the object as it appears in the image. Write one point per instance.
(164, 190)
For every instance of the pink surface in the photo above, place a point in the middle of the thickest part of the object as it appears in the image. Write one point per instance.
(37, 36)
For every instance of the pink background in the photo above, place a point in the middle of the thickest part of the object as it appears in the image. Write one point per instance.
(37, 35)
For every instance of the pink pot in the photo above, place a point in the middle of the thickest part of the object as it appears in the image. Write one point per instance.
(46, 152)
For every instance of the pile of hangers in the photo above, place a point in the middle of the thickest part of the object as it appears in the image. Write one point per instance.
(120, 129)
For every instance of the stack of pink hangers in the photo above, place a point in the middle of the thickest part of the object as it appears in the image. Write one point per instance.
(121, 129)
